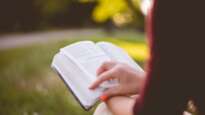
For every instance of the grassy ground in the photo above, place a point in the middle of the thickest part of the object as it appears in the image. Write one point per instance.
(29, 87)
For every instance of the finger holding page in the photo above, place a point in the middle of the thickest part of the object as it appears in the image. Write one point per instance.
(108, 75)
(106, 66)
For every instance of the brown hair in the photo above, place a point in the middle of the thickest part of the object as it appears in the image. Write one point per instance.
(175, 72)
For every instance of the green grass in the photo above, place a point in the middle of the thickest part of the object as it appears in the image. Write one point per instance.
(28, 86)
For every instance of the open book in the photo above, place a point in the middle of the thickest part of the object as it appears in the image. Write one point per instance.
(77, 64)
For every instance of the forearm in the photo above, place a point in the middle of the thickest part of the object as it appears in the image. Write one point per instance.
(121, 105)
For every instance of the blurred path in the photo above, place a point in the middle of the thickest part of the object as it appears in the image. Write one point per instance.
(18, 40)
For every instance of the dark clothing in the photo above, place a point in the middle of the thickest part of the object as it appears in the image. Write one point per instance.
(176, 72)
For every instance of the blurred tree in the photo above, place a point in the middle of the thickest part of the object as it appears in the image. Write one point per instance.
(121, 12)
(52, 7)
(66, 13)
(28, 15)
(18, 15)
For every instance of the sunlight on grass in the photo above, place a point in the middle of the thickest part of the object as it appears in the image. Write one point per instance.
(137, 50)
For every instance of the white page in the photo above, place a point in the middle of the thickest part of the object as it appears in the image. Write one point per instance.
(118, 54)
(88, 57)
(74, 77)
(68, 70)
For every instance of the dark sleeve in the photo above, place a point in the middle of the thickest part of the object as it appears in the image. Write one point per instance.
(175, 69)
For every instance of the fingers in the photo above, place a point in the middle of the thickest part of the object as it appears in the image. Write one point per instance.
(103, 74)
(113, 91)
(106, 66)
(108, 75)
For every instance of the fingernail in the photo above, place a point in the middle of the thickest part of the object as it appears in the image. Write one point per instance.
(103, 97)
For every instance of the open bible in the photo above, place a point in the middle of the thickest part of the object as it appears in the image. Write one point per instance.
(77, 64)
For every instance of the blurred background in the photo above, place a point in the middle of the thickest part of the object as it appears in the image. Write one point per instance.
(32, 31)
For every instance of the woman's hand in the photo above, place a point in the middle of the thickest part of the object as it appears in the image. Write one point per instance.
(130, 80)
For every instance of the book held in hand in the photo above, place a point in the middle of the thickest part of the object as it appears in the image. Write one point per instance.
(77, 64)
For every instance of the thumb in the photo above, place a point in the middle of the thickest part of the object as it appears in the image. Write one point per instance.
(113, 91)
